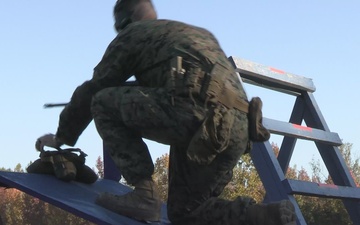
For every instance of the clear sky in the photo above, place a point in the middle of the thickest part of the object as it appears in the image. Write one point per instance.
(48, 48)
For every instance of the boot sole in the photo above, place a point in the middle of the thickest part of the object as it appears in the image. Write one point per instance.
(134, 213)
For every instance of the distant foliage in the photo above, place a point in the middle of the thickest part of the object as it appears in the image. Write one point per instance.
(161, 175)
(100, 167)
(246, 182)
(325, 211)
(18, 208)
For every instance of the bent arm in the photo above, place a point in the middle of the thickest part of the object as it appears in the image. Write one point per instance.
(76, 115)
(118, 64)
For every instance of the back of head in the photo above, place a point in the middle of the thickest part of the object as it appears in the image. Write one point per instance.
(128, 11)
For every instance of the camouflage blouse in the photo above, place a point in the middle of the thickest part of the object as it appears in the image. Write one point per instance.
(142, 50)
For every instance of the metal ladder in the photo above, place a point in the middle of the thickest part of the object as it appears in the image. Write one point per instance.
(272, 169)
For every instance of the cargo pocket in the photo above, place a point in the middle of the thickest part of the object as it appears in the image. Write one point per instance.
(212, 137)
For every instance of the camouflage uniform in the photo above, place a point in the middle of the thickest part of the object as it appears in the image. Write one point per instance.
(124, 115)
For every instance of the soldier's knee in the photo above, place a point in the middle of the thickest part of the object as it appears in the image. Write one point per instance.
(108, 98)
(101, 103)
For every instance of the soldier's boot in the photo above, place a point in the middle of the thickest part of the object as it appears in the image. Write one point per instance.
(142, 204)
(279, 213)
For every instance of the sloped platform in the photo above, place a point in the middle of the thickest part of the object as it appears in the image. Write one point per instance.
(74, 197)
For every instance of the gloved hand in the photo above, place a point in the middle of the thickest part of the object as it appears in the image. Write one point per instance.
(48, 140)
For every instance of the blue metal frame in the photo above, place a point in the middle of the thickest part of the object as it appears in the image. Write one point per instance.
(271, 169)
(74, 197)
(111, 172)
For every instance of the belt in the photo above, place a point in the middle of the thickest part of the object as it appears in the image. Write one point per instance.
(208, 84)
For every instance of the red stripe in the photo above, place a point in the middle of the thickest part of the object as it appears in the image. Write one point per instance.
(329, 186)
(276, 70)
(302, 127)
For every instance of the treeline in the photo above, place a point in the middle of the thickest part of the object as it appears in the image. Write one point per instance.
(246, 182)
(18, 208)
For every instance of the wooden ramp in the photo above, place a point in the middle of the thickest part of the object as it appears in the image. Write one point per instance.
(74, 197)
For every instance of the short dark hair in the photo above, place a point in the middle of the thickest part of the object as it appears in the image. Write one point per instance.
(127, 5)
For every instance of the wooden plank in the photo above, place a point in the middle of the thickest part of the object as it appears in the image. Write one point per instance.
(321, 190)
(302, 132)
(272, 78)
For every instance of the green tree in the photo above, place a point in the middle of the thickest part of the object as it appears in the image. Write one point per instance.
(100, 167)
(4, 169)
(18, 168)
(58, 216)
(20, 208)
(352, 163)
(246, 182)
(323, 211)
(161, 175)
(12, 207)
(33, 210)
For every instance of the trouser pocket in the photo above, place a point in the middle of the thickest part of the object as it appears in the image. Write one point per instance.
(212, 137)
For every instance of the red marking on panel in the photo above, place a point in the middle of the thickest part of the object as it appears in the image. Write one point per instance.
(276, 70)
(302, 127)
(329, 186)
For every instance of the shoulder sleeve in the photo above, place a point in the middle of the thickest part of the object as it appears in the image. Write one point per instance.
(113, 70)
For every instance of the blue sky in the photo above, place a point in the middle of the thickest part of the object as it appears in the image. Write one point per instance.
(48, 48)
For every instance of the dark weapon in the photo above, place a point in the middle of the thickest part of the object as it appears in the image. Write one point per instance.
(51, 105)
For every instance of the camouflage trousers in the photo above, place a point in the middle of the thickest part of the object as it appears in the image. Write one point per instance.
(194, 189)
(125, 115)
